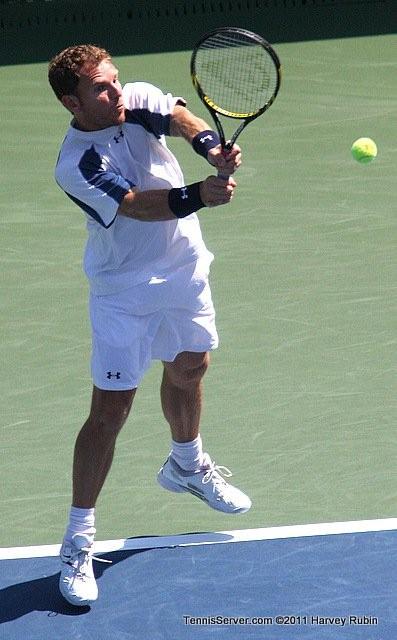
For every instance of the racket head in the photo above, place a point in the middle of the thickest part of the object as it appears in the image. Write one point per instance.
(235, 72)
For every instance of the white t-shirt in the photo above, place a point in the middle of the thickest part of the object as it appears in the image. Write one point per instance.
(97, 168)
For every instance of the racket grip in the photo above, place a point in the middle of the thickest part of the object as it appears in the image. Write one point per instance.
(226, 148)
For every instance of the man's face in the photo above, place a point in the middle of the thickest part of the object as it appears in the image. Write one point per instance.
(99, 100)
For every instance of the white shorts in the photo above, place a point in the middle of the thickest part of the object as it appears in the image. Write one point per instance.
(150, 321)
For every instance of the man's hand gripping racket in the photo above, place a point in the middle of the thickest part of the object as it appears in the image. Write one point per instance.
(236, 74)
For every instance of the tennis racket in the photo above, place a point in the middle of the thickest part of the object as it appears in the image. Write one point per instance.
(236, 74)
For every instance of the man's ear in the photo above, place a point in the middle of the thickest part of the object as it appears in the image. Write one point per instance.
(72, 103)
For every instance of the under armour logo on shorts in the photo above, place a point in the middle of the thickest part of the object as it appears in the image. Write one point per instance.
(184, 195)
(111, 375)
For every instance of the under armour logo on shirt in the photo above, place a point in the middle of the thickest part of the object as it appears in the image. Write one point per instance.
(118, 137)
(184, 195)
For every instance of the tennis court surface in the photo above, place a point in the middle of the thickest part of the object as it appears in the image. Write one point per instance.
(299, 401)
(327, 581)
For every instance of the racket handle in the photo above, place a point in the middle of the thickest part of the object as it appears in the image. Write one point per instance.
(225, 151)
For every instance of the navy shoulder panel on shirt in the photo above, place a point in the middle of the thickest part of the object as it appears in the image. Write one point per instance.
(155, 123)
(115, 186)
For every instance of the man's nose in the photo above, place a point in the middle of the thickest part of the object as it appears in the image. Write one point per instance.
(116, 90)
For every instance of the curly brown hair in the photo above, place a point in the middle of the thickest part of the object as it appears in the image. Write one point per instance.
(64, 68)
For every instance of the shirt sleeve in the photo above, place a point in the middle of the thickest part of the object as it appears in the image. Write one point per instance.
(95, 189)
(149, 106)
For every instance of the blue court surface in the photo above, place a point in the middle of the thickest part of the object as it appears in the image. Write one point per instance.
(312, 581)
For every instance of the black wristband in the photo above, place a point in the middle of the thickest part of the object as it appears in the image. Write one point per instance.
(185, 200)
(204, 141)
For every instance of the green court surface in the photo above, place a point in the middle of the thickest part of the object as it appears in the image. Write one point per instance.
(300, 399)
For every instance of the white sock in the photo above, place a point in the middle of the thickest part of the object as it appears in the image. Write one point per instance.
(189, 455)
(81, 521)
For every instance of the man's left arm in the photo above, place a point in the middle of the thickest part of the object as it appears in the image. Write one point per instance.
(185, 124)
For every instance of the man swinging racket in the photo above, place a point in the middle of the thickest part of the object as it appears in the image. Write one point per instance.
(148, 269)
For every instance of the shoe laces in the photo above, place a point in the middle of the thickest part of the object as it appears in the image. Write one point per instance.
(214, 474)
(83, 557)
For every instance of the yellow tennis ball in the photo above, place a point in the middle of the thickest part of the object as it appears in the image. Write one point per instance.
(364, 150)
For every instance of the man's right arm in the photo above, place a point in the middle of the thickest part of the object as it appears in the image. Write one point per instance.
(154, 205)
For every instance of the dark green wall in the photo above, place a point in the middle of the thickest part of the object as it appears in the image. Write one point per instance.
(36, 30)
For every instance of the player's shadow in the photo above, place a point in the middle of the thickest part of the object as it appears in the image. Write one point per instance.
(43, 594)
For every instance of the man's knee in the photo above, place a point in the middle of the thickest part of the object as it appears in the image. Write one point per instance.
(187, 369)
(110, 409)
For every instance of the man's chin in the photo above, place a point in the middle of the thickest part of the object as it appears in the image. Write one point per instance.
(120, 117)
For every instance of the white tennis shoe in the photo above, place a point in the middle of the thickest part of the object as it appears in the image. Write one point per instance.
(77, 582)
(206, 483)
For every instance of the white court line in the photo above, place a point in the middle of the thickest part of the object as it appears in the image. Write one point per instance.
(217, 537)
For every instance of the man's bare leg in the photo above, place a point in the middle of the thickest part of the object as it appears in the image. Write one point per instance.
(95, 444)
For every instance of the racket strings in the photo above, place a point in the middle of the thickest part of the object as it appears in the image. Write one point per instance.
(237, 74)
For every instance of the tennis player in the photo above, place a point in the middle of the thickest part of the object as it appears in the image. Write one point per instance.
(147, 267)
